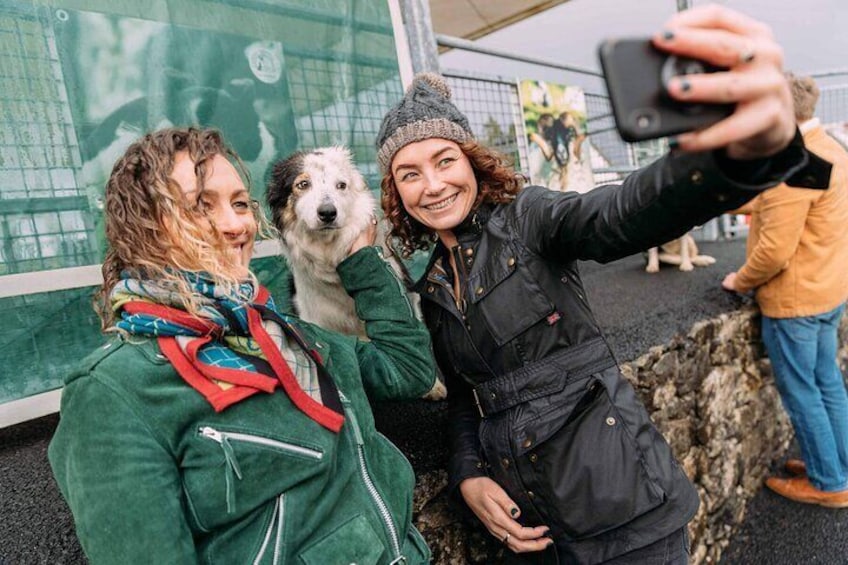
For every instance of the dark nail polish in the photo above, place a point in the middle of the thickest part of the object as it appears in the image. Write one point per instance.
(685, 85)
(668, 35)
(673, 143)
(513, 511)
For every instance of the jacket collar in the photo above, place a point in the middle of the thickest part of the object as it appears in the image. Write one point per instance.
(471, 227)
(473, 224)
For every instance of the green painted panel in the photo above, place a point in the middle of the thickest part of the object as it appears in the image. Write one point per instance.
(81, 79)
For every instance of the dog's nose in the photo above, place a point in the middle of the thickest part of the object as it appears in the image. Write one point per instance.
(327, 213)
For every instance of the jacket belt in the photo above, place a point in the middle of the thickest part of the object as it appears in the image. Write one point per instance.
(543, 377)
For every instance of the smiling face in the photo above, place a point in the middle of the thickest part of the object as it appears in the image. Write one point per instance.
(224, 202)
(436, 184)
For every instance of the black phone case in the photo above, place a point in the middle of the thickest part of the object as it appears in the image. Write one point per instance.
(633, 71)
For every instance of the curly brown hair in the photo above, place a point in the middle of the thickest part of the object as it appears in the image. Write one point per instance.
(497, 183)
(805, 95)
(152, 230)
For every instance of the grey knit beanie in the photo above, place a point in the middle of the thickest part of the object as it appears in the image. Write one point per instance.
(424, 112)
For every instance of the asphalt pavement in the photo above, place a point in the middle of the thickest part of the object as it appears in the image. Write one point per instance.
(637, 310)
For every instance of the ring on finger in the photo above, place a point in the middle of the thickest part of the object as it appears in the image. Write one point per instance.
(506, 538)
(747, 55)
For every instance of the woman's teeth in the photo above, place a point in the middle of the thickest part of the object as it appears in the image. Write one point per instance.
(441, 205)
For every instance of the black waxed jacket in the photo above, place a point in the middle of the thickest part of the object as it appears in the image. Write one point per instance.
(536, 398)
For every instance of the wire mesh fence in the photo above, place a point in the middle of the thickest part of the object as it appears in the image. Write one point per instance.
(494, 110)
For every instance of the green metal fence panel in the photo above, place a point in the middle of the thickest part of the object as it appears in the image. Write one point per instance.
(81, 79)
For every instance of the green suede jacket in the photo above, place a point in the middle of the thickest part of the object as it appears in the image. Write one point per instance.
(148, 467)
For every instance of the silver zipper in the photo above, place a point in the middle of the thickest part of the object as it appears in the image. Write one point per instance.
(220, 437)
(281, 511)
(382, 508)
(267, 538)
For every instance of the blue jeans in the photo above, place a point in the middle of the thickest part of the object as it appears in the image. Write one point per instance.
(803, 357)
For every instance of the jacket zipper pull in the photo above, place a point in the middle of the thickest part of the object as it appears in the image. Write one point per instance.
(232, 466)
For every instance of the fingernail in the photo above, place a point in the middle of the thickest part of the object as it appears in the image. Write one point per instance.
(513, 510)
(685, 85)
(667, 35)
(673, 143)
(550, 543)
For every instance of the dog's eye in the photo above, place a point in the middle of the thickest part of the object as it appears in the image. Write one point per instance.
(302, 185)
(341, 185)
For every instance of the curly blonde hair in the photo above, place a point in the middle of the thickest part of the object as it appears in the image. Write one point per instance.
(497, 183)
(805, 96)
(153, 231)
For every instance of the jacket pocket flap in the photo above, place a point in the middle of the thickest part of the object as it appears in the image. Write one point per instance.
(354, 541)
(514, 300)
(499, 265)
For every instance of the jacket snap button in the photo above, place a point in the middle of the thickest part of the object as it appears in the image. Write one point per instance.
(527, 443)
(479, 290)
(564, 279)
(431, 289)
(697, 177)
(510, 261)
(469, 252)
(533, 458)
(479, 464)
(493, 395)
(531, 494)
(505, 462)
(610, 421)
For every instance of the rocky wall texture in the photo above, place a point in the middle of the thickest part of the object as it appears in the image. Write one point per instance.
(712, 395)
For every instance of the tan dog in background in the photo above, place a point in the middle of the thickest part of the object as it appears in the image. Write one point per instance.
(682, 252)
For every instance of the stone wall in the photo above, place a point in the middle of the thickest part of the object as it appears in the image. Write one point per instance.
(712, 395)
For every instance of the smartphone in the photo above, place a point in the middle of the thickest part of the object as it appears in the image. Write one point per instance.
(636, 74)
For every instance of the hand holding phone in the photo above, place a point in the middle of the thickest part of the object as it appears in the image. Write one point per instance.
(637, 75)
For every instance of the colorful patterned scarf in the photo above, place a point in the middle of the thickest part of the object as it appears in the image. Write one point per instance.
(237, 346)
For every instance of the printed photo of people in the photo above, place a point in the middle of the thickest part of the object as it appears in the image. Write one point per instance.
(555, 121)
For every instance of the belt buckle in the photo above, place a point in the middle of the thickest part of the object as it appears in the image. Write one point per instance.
(477, 402)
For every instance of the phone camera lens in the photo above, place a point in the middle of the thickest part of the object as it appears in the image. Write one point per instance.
(645, 119)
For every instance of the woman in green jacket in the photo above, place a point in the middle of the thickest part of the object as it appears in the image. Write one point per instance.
(213, 428)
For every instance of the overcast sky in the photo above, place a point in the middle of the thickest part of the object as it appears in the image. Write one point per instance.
(813, 33)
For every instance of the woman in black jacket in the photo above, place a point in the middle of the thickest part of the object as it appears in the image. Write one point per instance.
(550, 447)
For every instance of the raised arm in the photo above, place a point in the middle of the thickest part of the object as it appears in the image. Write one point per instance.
(397, 361)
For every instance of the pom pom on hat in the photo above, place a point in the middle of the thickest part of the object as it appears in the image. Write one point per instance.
(436, 82)
(424, 112)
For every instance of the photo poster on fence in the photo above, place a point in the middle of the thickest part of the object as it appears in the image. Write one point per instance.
(557, 141)
(127, 76)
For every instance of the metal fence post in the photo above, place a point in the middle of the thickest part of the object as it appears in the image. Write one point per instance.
(419, 32)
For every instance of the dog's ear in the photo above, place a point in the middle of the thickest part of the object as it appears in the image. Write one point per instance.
(280, 184)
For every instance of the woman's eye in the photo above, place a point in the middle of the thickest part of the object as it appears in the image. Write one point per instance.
(241, 205)
(341, 185)
(446, 161)
(204, 206)
(407, 176)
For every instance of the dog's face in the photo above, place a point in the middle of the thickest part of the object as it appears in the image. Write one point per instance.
(320, 191)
